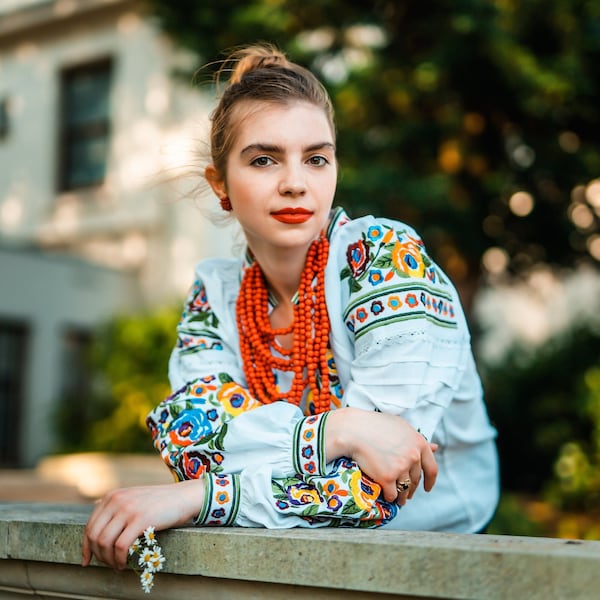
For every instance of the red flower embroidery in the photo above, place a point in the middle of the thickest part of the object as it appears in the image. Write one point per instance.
(358, 257)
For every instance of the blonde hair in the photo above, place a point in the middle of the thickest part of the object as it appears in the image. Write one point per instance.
(259, 73)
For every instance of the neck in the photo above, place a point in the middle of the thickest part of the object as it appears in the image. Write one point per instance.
(283, 271)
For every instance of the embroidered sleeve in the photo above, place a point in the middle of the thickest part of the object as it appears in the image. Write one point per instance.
(404, 322)
(212, 423)
(344, 497)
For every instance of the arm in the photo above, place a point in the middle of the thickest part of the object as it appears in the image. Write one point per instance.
(344, 497)
(211, 423)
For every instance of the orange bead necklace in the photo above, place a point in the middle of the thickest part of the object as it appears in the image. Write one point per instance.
(307, 358)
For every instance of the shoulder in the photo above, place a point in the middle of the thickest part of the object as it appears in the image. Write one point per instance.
(220, 269)
(388, 278)
(368, 246)
(216, 284)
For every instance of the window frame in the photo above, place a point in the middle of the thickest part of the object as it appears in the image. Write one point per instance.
(69, 134)
(18, 333)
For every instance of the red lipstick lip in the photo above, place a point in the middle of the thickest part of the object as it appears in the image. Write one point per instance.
(292, 215)
(292, 211)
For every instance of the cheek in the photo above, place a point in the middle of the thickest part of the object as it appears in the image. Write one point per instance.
(247, 191)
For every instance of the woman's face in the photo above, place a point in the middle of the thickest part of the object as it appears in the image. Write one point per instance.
(281, 174)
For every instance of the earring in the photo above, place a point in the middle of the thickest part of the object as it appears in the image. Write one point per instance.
(225, 203)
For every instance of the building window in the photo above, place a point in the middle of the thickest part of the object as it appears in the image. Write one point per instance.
(13, 339)
(73, 411)
(3, 118)
(85, 124)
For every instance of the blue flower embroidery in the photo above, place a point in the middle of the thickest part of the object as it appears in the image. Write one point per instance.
(190, 426)
(374, 233)
(375, 277)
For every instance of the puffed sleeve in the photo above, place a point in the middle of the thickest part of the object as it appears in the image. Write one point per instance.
(211, 423)
(397, 324)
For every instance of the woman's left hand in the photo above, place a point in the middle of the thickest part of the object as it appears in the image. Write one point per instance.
(122, 515)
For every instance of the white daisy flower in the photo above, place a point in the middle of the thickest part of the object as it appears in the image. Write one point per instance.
(156, 561)
(145, 557)
(147, 581)
(150, 536)
(135, 547)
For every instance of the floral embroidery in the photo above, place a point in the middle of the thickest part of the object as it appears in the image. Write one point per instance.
(193, 464)
(391, 279)
(235, 399)
(358, 257)
(196, 329)
(221, 500)
(383, 252)
(343, 497)
(394, 302)
(375, 277)
(309, 444)
(407, 257)
(411, 300)
(189, 426)
(376, 307)
(222, 497)
(375, 233)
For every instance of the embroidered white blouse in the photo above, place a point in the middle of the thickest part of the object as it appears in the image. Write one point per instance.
(399, 344)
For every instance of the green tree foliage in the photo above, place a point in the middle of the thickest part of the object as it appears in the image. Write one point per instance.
(577, 481)
(445, 110)
(128, 378)
(545, 405)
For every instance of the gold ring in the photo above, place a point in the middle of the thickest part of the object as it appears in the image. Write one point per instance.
(402, 486)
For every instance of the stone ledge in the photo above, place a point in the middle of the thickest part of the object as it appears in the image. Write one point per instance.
(37, 538)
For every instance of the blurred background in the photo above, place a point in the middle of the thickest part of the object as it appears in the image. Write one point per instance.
(477, 122)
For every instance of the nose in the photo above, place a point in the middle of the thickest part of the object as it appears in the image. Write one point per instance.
(292, 182)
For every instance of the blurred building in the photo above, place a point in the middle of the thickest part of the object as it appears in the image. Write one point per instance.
(96, 139)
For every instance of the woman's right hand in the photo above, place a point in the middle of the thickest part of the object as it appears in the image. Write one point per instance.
(387, 448)
(122, 515)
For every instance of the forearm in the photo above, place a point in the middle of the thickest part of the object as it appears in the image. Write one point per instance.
(339, 440)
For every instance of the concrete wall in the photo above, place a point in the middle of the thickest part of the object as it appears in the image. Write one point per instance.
(40, 553)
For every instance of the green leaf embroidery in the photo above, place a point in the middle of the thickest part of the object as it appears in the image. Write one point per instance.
(225, 378)
(354, 286)
(383, 262)
(345, 273)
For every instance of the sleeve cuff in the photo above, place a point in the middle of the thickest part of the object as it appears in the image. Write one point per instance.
(221, 500)
(309, 445)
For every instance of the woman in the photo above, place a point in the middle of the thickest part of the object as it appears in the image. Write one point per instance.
(319, 379)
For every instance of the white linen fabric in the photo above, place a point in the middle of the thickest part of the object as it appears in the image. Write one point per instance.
(399, 344)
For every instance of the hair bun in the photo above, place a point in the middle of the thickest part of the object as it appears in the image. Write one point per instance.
(251, 58)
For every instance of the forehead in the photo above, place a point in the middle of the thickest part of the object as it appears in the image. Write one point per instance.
(296, 121)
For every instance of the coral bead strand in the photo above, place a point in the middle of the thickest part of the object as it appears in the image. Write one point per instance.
(307, 358)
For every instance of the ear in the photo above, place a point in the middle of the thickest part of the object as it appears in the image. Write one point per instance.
(216, 182)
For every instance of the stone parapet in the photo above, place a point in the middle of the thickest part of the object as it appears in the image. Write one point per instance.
(40, 554)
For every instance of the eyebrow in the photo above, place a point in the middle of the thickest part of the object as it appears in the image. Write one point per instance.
(274, 149)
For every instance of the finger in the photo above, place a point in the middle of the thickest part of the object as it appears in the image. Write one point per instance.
(94, 526)
(430, 469)
(103, 543)
(86, 552)
(390, 493)
(123, 543)
(415, 478)
(403, 485)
